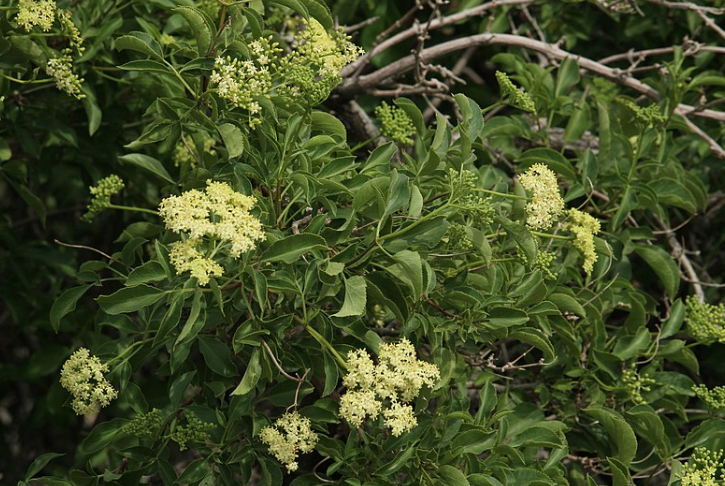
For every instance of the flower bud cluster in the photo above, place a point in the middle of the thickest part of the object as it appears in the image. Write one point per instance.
(145, 426)
(101, 195)
(395, 124)
(714, 399)
(702, 468)
(512, 95)
(82, 376)
(290, 435)
(546, 203)
(584, 227)
(635, 384)
(705, 322)
(61, 68)
(218, 216)
(544, 261)
(32, 13)
(649, 116)
(388, 387)
(195, 430)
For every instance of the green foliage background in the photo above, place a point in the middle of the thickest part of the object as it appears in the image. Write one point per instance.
(361, 248)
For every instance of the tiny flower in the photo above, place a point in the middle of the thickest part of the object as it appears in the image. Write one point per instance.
(219, 213)
(33, 13)
(290, 435)
(702, 468)
(399, 418)
(82, 376)
(546, 203)
(61, 68)
(584, 227)
(387, 387)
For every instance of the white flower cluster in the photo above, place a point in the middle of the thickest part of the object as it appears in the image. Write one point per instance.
(221, 216)
(61, 68)
(389, 386)
(82, 376)
(290, 435)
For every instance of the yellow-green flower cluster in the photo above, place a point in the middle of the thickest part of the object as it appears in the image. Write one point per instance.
(61, 68)
(387, 387)
(241, 82)
(290, 435)
(195, 430)
(218, 216)
(32, 13)
(82, 376)
(101, 195)
(714, 399)
(546, 203)
(702, 469)
(395, 124)
(705, 322)
(512, 95)
(635, 384)
(584, 226)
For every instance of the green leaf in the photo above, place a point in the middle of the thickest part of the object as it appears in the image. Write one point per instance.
(217, 356)
(130, 299)
(673, 323)
(256, 22)
(552, 159)
(65, 304)
(409, 268)
(401, 459)
(148, 272)
(146, 65)
(535, 338)
(139, 42)
(619, 431)
(451, 476)
(328, 124)
(320, 11)
(295, 5)
(355, 297)
(39, 463)
(233, 139)
(503, 317)
(567, 76)
(148, 164)
(93, 111)
(289, 249)
(201, 25)
(102, 435)
(521, 236)
(193, 324)
(663, 265)
(251, 375)
(567, 303)
(628, 347)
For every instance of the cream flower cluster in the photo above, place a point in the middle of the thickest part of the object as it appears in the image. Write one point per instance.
(389, 386)
(584, 226)
(218, 215)
(241, 82)
(33, 13)
(546, 203)
(702, 470)
(82, 376)
(290, 435)
(61, 68)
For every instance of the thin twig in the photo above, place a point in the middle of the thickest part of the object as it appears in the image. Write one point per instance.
(84, 247)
